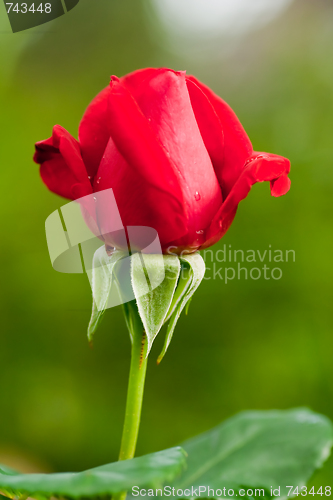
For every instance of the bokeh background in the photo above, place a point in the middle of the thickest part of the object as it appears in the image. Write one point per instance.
(245, 345)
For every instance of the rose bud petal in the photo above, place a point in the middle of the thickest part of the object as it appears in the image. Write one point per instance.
(237, 145)
(94, 132)
(258, 168)
(174, 153)
(62, 168)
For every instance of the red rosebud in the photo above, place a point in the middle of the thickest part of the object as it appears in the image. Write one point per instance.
(174, 153)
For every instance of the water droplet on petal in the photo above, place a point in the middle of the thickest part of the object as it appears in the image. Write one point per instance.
(109, 249)
(95, 198)
(98, 180)
(197, 196)
(89, 177)
(200, 232)
(253, 158)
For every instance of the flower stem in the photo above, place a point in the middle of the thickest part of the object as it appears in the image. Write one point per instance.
(134, 395)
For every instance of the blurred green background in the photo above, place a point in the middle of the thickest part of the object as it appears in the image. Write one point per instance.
(245, 345)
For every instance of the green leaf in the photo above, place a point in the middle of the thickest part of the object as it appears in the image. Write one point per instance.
(147, 471)
(6, 470)
(148, 271)
(258, 449)
(189, 283)
(101, 279)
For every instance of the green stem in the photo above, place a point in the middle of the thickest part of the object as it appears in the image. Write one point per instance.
(134, 397)
(134, 394)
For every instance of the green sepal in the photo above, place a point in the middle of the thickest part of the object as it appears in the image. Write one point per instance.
(147, 271)
(188, 306)
(148, 471)
(102, 279)
(184, 282)
(193, 271)
(162, 285)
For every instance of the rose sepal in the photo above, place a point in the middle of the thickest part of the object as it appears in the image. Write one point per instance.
(154, 302)
(161, 286)
(102, 280)
(192, 274)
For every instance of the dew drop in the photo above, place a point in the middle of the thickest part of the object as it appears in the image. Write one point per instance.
(89, 177)
(197, 196)
(98, 180)
(95, 198)
(200, 232)
(109, 249)
(253, 158)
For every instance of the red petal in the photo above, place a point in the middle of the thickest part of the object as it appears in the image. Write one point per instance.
(209, 124)
(137, 167)
(280, 186)
(62, 167)
(137, 143)
(163, 98)
(258, 168)
(237, 145)
(94, 132)
(136, 81)
(139, 202)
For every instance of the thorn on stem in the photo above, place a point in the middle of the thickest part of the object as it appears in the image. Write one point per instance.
(143, 343)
